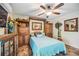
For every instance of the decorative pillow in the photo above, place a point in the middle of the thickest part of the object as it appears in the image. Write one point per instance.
(41, 35)
(32, 35)
(35, 34)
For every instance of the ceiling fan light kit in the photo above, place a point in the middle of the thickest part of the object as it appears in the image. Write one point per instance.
(48, 13)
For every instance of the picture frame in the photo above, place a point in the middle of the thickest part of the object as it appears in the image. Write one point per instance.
(36, 26)
(71, 25)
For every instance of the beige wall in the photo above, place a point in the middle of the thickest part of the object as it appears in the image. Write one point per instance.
(70, 38)
(32, 31)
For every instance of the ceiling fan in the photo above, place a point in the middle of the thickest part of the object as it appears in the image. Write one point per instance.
(51, 8)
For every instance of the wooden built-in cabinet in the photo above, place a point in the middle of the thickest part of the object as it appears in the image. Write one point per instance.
(23, 33)
(48, 29)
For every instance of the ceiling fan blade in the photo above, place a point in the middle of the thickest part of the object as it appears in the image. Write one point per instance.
(43, 7)
(59, 5)
(40, 14)
(57, 13)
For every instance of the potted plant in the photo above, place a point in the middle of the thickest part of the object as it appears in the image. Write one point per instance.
(57, 26)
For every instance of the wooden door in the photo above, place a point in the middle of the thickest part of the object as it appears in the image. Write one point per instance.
(49, 29)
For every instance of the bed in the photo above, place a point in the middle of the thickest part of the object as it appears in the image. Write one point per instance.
(45, 46)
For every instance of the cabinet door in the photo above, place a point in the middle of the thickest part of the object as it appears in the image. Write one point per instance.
(49, 29)
(11, 47)
(0, 48)
(6, 48)
(23, 36)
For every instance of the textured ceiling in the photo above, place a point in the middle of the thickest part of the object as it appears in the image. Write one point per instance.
(32, 9)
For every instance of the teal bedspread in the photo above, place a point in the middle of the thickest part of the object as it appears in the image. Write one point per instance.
(45, 46)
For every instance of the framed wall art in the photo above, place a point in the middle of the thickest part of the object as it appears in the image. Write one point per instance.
(36, 26)
(71, 25)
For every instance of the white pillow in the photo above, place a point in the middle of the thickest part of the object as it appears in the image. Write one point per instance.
(41, 35)
(32, 35)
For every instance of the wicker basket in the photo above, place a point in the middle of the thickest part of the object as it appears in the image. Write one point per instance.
(24, 51)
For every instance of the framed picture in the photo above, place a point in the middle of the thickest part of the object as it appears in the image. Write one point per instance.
(36, 26)
(71, 25)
